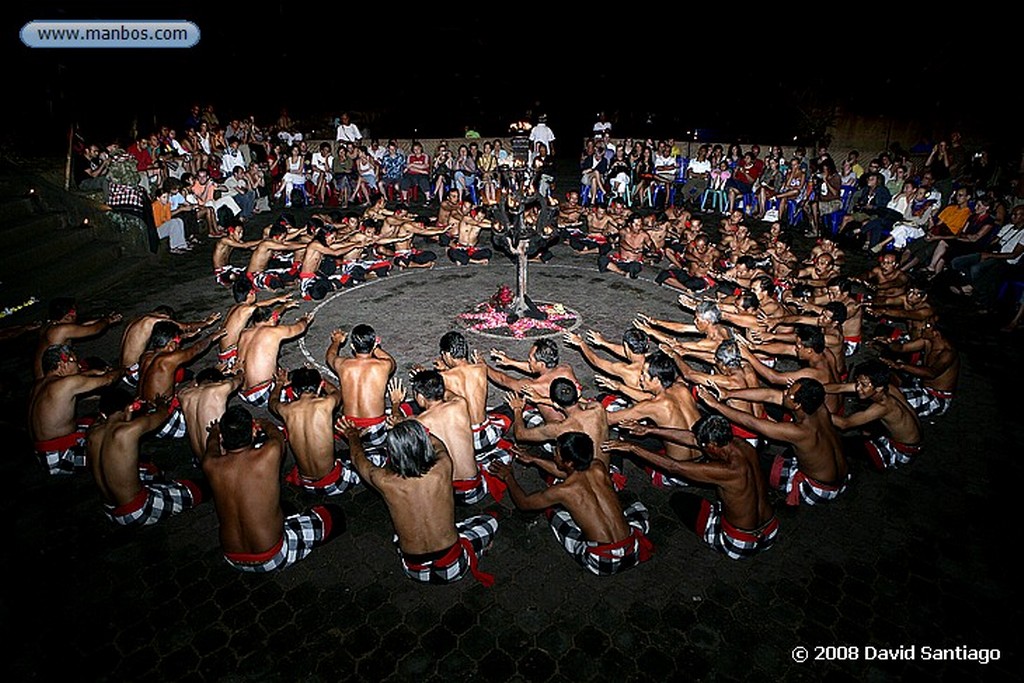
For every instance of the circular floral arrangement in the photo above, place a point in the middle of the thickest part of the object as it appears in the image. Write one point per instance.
(491, 318)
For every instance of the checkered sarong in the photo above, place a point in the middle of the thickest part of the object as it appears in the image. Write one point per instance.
(340, 479)
(154, 503)
(734, 543)
(886, 453)
(259, 394)
(605, 559)
(174, 427)
(798, 487)
(451, 564)
(303, 532)
(486, 436)
(927, 402)
(63, 455)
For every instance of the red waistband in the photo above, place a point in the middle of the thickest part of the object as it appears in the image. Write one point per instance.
(907, 449)
(364, 422)
(743, 433)
(770, 527)
(853, 340)
(133, 505)
(297, 479)
(231, 352)
(257, 388)
(256, 558)
(464, 485)
(636, 536)
(61, 443)
(939, 393)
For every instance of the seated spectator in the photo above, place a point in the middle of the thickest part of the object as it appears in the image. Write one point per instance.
(417, 173)
(392, 169)
(465, 171)
(169, 223)
(90, 170)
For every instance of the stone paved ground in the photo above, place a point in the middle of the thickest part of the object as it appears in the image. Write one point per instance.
(917, 557)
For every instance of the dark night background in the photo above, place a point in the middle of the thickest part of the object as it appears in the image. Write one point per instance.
(655, 71)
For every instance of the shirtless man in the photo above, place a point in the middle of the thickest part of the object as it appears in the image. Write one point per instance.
(276, 278)
(912, 306)
(416, 483)
(542, 365)
(741, 522)
(468, 378)
(588, 521)
(63, 327)
(898, 442)
(730, 372)
(839, 290)
(886, 280)
(700, 258)
(59, 439)
(258, 347)
(570, 214)
(238, 317)
(242, 462)
(588, 417)
(316, 283)
(816, 472)
(364, 380)
(224, 273)
(601, 225)
(203, 401)
(399, 229)
(446, 416)
(817, 362)
(137, 332)
(633, 351)
(464, 250)
(627, 259)
(672, 406)
(450, 212)
(308, 415)
(707, 321)
(162, 367)
(134, 496)
(934, 381)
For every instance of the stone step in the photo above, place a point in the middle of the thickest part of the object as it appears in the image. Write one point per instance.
(15, 206)
(32, 227)
(75, 269)
(48, 249)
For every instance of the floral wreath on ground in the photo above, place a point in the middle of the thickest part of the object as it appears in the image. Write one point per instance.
(494, 316)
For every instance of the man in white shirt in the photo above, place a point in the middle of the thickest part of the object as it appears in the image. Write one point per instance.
(348, 131)
(232, 158)
(986, 271)
(541, 133)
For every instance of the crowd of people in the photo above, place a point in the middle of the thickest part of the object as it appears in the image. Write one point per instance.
(781, 367)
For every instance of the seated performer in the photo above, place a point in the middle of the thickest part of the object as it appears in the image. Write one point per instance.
(363, 379)
(60, 438)
(469, 380)
(897, 439)
(416, 483)
(135, 495)
(307, 411)
(446, 416)
(589, 520)
(741, 522)
(816, 472)
(242, 462)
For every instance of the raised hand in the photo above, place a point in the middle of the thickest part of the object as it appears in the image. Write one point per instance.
(514, 400)
(396, 391)
(339, 337)
(635, 427)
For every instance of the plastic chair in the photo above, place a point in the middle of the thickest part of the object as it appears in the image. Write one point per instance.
(682, 163)
(718, 199)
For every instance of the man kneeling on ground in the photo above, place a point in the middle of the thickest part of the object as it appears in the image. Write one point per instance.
(589, 521)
